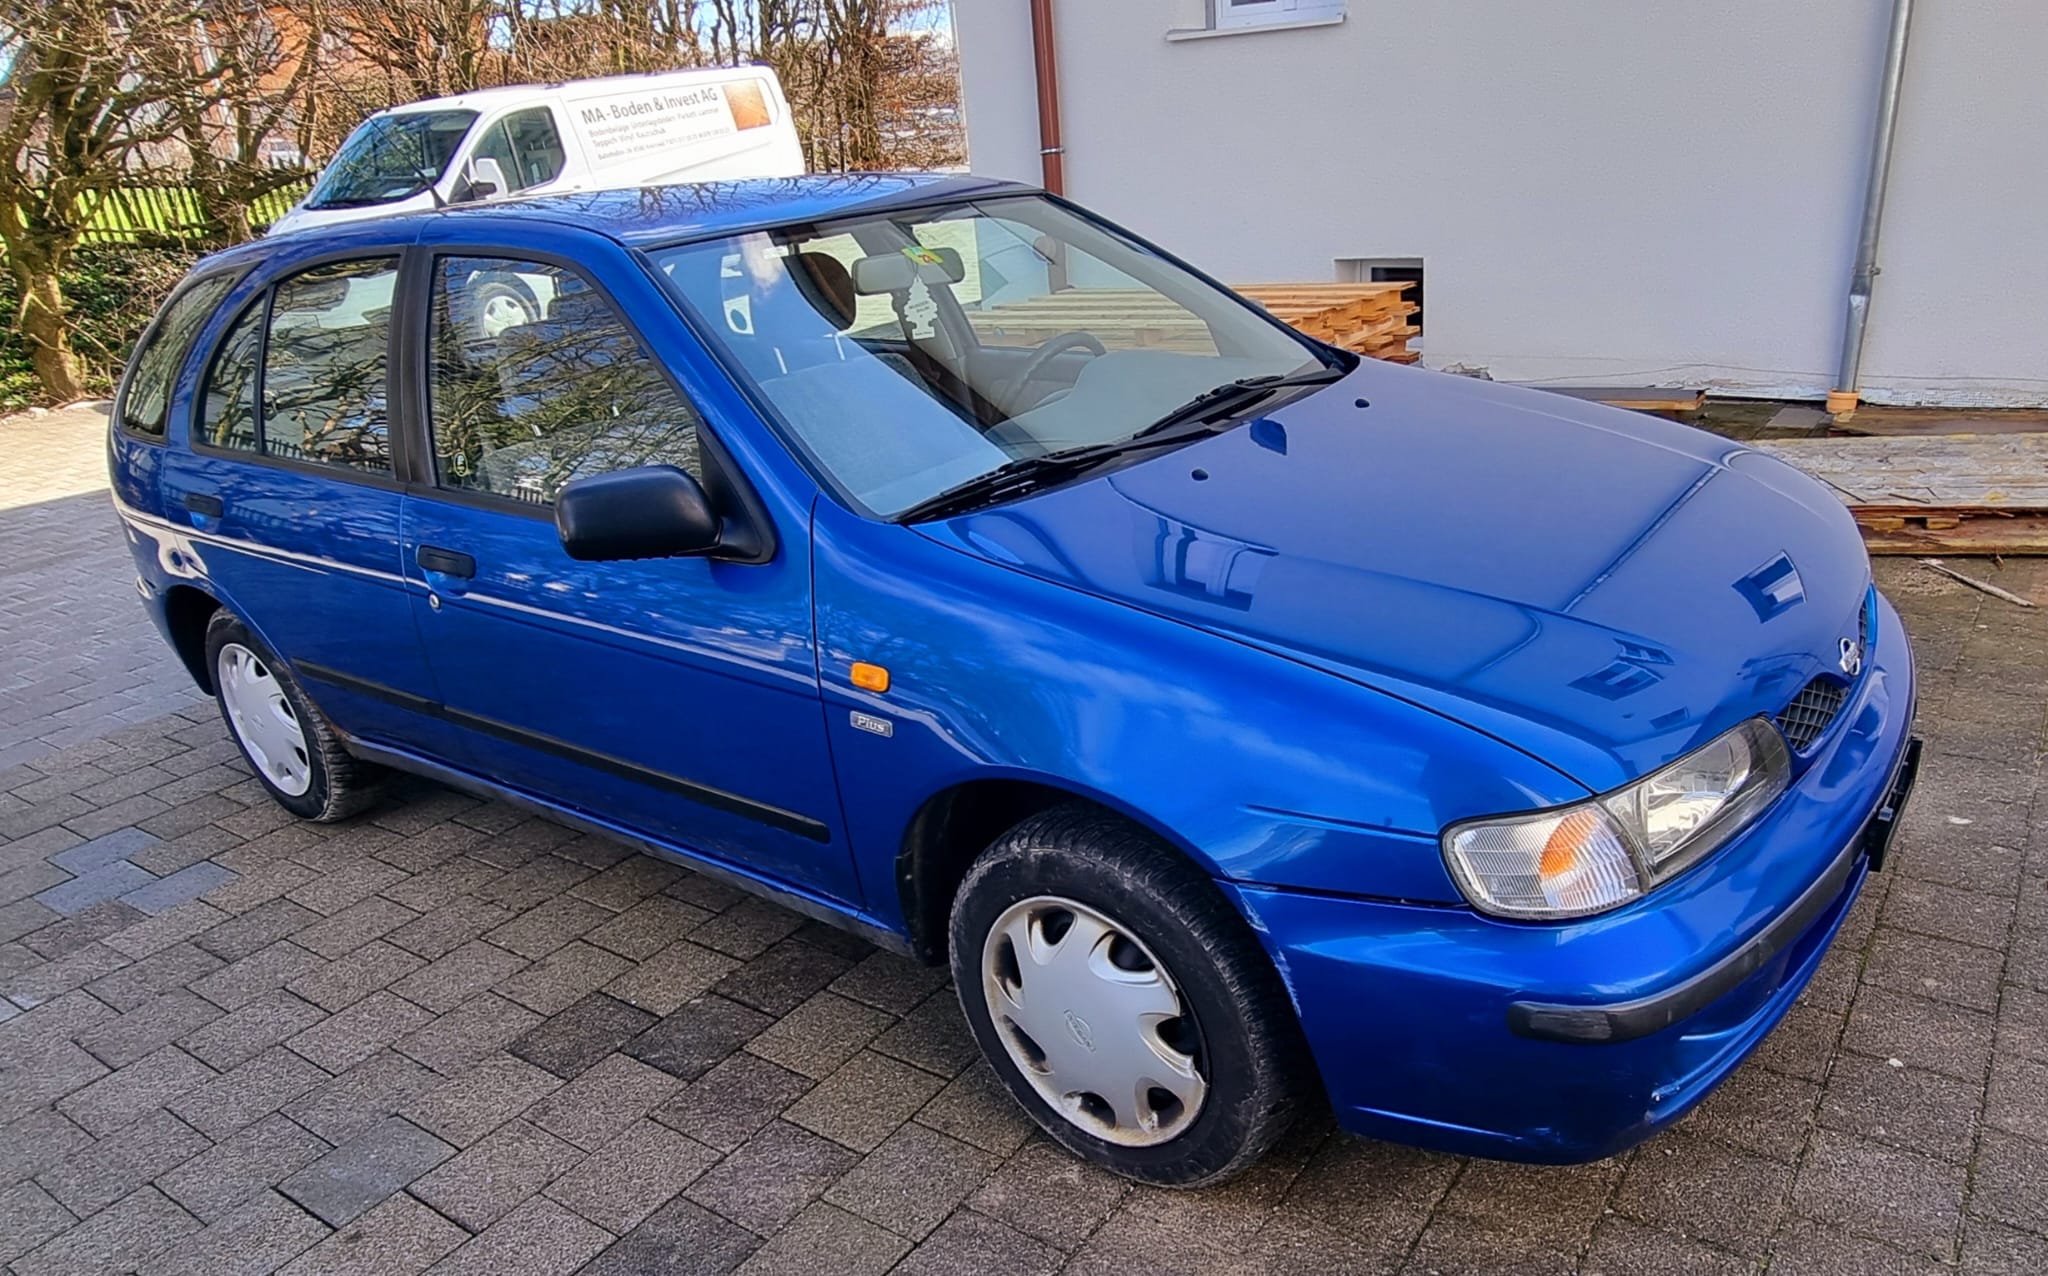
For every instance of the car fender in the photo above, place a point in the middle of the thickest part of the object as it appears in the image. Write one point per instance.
(1262, 769)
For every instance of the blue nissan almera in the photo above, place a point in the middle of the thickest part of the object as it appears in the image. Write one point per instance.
(1242, 721)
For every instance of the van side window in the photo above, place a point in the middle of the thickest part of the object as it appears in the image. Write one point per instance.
(145, 404)
(227, 407)
(535, 380)
(526, 146)
(312, 352)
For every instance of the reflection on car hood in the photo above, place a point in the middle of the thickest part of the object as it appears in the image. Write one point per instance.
(1602, 589)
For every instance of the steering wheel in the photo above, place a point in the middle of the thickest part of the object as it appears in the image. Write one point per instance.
(1047, 351)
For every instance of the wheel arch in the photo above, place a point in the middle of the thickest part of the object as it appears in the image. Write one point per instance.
(187, 611)
(956, 824)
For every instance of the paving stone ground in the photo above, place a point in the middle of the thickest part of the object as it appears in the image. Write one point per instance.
(446, 1036)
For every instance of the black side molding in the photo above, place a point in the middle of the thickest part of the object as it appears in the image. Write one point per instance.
(702, 794)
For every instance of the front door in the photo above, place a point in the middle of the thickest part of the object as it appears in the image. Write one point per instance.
(677, 697)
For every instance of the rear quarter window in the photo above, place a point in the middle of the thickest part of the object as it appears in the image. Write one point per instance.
(153, 369)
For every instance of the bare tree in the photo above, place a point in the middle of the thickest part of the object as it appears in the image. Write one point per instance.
(82, 117)
(251, 76)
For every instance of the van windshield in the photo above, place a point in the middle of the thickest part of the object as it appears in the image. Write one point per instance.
(914, 355)
(391, 157)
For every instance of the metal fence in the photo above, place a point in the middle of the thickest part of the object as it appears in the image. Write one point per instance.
(153, 214)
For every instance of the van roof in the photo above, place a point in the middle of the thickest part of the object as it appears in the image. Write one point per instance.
(483, 99)
(650, 215)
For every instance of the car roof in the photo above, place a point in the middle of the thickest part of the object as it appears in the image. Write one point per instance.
(654, 215)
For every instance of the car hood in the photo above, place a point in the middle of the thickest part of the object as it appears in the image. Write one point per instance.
(1601, 589)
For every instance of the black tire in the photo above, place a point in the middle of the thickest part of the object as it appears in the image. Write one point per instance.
(340, 785)
(1247, 1044)
(483, 289)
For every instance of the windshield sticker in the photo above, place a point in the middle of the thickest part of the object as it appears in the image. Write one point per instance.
(921, 311)
(924, 256)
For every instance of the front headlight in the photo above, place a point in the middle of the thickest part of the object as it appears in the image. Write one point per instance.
(1591, 856)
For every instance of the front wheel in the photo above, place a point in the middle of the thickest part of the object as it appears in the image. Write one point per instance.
(1123, 1001)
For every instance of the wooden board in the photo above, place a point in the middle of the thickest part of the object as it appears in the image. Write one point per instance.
(1635, 398)
(1954, 494)
(1956, 471)
(1369, 318)
(1924, 422)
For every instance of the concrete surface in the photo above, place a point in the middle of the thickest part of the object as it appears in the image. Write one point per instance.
(445, 1035)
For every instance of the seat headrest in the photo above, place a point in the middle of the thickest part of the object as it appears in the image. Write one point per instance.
(825, 283)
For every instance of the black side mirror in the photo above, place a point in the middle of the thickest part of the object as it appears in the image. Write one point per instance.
(652, 511)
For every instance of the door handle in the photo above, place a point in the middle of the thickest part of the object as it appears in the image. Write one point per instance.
(447, 562)
(204, 503)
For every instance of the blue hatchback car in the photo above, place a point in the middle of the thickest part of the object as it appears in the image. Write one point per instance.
(1242, 721)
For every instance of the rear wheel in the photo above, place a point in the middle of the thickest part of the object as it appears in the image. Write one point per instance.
(286, 740)
(1123, 1001)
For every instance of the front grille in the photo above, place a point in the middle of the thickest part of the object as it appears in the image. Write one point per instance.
(1807, 717)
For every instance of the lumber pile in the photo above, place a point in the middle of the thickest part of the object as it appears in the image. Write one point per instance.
(1370, 319)
(1367, 319)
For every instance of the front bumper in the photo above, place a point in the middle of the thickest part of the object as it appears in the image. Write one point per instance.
(1569, 1042)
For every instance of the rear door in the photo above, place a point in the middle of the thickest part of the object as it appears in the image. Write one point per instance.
(287, 496)
(677, 697)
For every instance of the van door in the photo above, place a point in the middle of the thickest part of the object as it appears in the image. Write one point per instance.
(675, 697)
(287, 498)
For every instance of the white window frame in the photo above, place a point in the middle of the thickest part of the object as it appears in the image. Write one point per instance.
(1238, 15)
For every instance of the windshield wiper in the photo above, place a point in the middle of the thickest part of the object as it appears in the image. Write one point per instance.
(1026, 474)
(1220, 400)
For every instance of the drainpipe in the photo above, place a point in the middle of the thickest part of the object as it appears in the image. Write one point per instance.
(1842, 400)
(1051, 151)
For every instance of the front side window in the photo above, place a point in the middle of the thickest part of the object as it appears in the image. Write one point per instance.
(909, 353)
(389, 158)
(301, 375)
(526, 146)
(535, 381)
(145, 404)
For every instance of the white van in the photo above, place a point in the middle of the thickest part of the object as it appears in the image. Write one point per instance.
(627, 130)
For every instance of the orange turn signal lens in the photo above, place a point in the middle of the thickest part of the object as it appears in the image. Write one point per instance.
(870, 677)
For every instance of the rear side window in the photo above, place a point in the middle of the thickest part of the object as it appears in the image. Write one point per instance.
(302, 374)
(535, 381)
(145, 405)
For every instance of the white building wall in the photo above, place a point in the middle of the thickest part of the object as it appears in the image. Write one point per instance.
(1603, 191)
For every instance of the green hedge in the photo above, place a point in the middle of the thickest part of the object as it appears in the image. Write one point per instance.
(113, 290)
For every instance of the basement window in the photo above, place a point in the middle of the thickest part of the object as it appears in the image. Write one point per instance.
(1231, 17)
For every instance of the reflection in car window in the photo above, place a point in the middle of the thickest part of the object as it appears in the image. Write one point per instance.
(536, 381)
(227, 416)
(147, 400)
(323, 391)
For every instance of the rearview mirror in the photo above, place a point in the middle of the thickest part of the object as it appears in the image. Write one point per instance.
(485, 179)
(652, 511)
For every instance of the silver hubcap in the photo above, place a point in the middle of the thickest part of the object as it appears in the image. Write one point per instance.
(265, 725)
(1093, 1020)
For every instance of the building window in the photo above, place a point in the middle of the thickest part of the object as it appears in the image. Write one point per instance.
(1231, 15)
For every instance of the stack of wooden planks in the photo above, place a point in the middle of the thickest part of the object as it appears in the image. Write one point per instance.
(1946, 494)
(1370, 319)
(1367, 319)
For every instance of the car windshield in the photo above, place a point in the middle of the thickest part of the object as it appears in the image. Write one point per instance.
(911, 352)
(391, 157)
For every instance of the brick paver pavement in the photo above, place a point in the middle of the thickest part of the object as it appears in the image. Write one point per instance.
(446, 1035)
